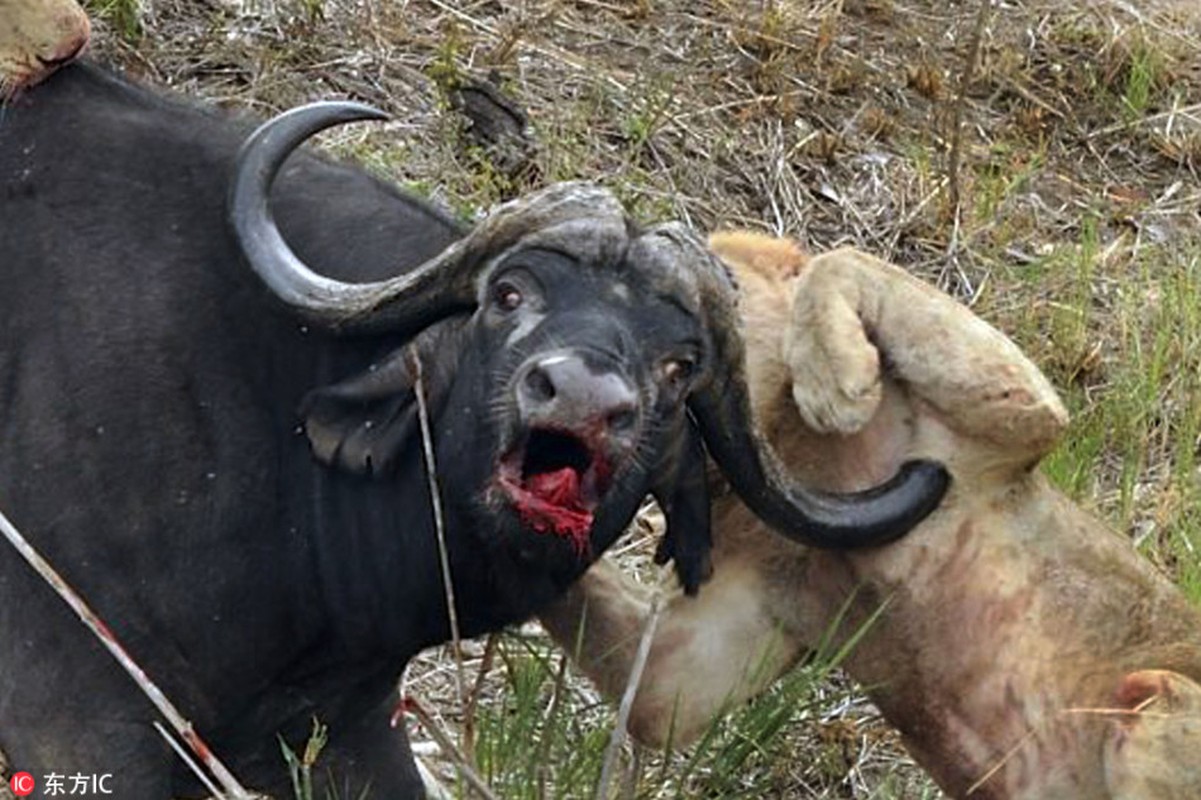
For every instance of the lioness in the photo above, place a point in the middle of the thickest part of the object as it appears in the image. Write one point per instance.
(1024, 651)
(36, 38)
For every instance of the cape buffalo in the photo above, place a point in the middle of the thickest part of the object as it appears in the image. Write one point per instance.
(36, 38)
(1025, 650)
(219, 446)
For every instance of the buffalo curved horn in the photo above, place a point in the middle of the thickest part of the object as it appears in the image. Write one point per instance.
(722, 409)
(579, 213)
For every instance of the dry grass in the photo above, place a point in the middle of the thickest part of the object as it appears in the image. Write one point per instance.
(827, 120)
(1077, 177)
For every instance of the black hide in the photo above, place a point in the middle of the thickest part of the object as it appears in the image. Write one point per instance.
(152, 446)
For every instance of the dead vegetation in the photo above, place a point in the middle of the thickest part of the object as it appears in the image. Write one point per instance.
(835, 120)
(1038, 159)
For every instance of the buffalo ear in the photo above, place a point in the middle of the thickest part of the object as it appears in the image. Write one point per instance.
(361, 424)
(682, 491)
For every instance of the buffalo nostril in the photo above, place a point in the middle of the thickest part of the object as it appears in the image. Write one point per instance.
(538, 386)
(622, 420)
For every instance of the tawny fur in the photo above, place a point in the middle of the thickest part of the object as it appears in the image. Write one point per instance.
(37, 37)
(1025, 650)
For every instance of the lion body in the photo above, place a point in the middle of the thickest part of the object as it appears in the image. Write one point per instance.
(1024, 649)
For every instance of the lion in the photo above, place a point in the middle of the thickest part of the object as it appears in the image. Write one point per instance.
(1023, 649)
(36, 38)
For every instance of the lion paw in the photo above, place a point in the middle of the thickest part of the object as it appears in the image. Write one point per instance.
(836, 380)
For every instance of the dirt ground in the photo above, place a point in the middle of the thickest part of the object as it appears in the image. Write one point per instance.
(956, 139)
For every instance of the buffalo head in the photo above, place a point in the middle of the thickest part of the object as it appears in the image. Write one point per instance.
(577, 343)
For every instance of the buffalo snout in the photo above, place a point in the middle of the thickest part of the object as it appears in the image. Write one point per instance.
(570, 391)
(577, 415)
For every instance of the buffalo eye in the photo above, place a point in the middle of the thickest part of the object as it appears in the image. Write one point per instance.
(677, 371)
(507, 296)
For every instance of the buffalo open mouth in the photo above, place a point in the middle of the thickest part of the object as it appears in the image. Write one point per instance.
(555, 479)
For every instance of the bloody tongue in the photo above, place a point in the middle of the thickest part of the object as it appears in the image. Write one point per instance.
(560, 510)
(559, 488)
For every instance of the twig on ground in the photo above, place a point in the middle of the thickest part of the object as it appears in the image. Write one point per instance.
(431, 471)
(216, 794)
(477, 691)
(975, 787)
(556, 699)
(1141, 121)
(233, 789)
(965, 82)
(447, 743)
(627, 698)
